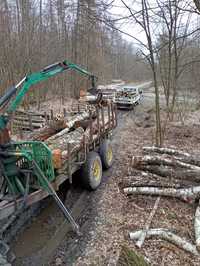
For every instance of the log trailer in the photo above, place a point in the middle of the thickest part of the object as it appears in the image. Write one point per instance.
(31, 170)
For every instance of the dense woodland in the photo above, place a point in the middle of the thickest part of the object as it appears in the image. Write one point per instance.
(36, 33)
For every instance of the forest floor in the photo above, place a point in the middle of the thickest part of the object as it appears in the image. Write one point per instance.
(109, 215)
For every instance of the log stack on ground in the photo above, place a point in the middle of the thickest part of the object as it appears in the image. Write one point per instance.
(169, 164)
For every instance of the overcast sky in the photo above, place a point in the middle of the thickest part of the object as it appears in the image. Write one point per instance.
(119, 10)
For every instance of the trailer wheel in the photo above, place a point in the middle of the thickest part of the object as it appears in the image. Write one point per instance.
(106, 154)
(91, 171)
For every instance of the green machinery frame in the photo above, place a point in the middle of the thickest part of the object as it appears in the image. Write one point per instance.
(26, 162)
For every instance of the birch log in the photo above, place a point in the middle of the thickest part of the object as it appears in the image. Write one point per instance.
(165, 234)
(142, 237)
(168, 151)
(74, 137)
(178, 155)
(178, 172)
(138, 161)
(197, 226)
(69, 124)
(185, 194)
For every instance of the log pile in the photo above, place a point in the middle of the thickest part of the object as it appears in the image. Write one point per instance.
(74, 138)
(59, 126)
(27, 120)
(68, 134)
(170, 164)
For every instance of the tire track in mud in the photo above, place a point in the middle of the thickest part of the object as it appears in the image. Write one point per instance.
(38, 243)
(70, 250)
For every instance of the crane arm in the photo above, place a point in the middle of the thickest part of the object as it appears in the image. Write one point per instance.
(35, 78)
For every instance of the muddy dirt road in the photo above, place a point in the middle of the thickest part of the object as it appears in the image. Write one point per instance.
(48, 233)
(107, 215)
(48, 239)
(38, 242)
(110, 215)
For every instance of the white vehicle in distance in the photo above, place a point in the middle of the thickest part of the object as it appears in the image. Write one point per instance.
(127, 97)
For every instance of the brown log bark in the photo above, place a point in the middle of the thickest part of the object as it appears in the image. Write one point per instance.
(26, 113)
(57, 128)
(74, 138)
(155, 181)
(26, 124)
(27, 119)
(47, 131)
(69, 124)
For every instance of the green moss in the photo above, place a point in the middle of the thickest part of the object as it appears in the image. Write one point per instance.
(172, 216)
(129, 257)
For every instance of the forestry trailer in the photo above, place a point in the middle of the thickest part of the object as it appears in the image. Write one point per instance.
(32, 170)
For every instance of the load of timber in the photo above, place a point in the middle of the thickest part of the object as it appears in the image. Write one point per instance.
(74, 130)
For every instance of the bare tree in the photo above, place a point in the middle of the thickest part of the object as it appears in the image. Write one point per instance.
(38, 33)
(142, 18)
(197, 4)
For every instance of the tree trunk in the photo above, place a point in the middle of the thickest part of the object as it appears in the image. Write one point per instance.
(177, 173)
(179, 155)
(168, 151)
(185, 194)
(138, 161)
(142, 237)
(165, 234)
(197, 226)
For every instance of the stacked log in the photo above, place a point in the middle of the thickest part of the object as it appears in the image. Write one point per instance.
(56, 128)
(69, 134)
(74, 138)
(48, 130)
(28, 121)
(172, 164)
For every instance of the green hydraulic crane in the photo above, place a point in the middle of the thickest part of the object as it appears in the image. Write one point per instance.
(22, 159)
(34, 78)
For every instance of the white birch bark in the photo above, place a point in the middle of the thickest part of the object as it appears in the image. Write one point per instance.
(186, 194)
(197, 226)
(142, 237)
(165, 234)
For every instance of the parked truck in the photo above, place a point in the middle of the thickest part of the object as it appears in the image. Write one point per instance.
(127, 97)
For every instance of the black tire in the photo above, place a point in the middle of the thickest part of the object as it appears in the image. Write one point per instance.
(106, 154)
(90, 176)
